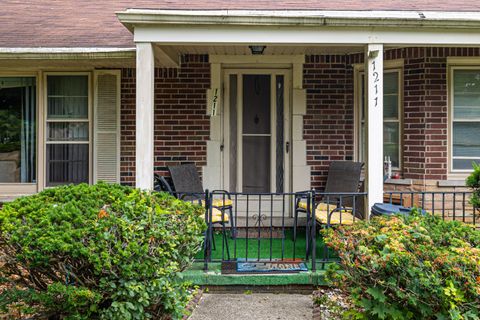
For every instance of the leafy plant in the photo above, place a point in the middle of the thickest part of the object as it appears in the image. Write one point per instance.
(473, 181)
(414, 267)
(102, 251)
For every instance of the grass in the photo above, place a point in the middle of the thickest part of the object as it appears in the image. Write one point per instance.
(266, 248)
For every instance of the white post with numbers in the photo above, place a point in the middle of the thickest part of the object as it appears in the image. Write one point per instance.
(374, 120)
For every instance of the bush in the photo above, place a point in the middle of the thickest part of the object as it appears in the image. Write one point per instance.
(473, 181)
(416, 267)
(102, 251)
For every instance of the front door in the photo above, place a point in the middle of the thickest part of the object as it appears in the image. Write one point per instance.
(256, 130)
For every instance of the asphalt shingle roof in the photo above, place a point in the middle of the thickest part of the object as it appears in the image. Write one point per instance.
(86, 23)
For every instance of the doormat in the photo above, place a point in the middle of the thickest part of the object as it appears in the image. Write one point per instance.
(274, 266)
(265, 233)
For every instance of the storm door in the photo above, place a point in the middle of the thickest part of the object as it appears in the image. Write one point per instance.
(257, 122)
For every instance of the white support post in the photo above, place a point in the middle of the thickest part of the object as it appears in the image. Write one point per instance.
(144, 116)
(374, 119)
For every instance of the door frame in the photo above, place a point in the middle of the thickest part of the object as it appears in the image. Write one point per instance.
(287, 122)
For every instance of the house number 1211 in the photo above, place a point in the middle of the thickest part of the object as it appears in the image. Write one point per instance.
(376, 79)
(214, 102)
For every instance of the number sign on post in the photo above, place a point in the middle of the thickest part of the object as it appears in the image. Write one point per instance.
(374, 161)
(214, 101)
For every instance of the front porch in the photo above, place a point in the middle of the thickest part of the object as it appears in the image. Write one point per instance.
(263, 109)
(325, 103)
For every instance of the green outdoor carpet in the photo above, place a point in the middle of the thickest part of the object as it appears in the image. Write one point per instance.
(266, 248)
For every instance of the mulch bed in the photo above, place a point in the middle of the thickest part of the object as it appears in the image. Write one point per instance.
(330, 304)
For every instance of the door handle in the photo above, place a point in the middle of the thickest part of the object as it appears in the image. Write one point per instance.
(287, 147)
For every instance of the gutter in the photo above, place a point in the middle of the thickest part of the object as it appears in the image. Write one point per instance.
(310, 18)
(67, 53)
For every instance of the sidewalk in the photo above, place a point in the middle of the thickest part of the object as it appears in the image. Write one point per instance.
(261, 306)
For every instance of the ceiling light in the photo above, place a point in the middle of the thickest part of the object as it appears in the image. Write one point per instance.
(257, 49)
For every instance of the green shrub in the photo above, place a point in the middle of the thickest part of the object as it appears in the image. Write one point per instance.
(102, 251)
(473, 181)
(416, 267)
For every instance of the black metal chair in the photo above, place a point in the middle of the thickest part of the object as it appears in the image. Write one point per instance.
(161, 184)
(187, 186)
(343, 177)
(187, 182)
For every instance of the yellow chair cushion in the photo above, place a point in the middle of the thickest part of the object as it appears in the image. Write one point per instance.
(220, 203)
(303, 204)
(321, 214)
(343, 217)
(217, 216)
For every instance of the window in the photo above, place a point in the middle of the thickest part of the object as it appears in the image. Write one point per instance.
(465, 119)
(67, 129)
(18, 159)
(392, 118)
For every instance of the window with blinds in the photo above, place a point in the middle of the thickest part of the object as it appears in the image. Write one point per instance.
(465, 119)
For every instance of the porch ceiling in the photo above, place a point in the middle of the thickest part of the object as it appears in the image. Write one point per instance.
(269, 50)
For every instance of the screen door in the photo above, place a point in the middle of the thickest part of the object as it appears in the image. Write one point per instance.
(258, 139)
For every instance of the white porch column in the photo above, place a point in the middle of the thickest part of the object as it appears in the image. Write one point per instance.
(144, 116)
(374, 120)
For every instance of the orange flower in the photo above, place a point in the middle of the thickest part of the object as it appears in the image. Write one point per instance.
(102, 214)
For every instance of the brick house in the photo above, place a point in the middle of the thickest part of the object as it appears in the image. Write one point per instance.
(114, 91)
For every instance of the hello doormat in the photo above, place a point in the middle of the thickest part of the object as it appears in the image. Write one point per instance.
(274, 266)
(262, 233)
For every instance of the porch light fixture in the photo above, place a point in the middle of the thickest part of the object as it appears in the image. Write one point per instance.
(257, 49)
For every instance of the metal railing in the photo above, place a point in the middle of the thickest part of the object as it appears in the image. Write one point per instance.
(285, 226)
(253, 227)
(450, 205)
(277, 227)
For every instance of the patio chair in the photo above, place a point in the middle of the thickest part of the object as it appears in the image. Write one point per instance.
(343, 177)
(188, 186)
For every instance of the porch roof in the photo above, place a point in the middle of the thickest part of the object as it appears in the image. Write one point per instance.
(290, 32)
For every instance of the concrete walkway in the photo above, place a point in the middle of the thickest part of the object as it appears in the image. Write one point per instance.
(261, 306)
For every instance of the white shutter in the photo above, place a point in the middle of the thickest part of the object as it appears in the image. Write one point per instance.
(106, 124)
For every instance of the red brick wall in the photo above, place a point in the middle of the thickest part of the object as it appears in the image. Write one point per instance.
(435, 113)
(181, 124)
(127, 127)
(328, 124)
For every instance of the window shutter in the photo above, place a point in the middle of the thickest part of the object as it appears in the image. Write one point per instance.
(106, 124)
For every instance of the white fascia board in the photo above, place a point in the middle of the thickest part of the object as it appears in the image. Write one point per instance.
(294, 35)
(132, 17)
(66, 53)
